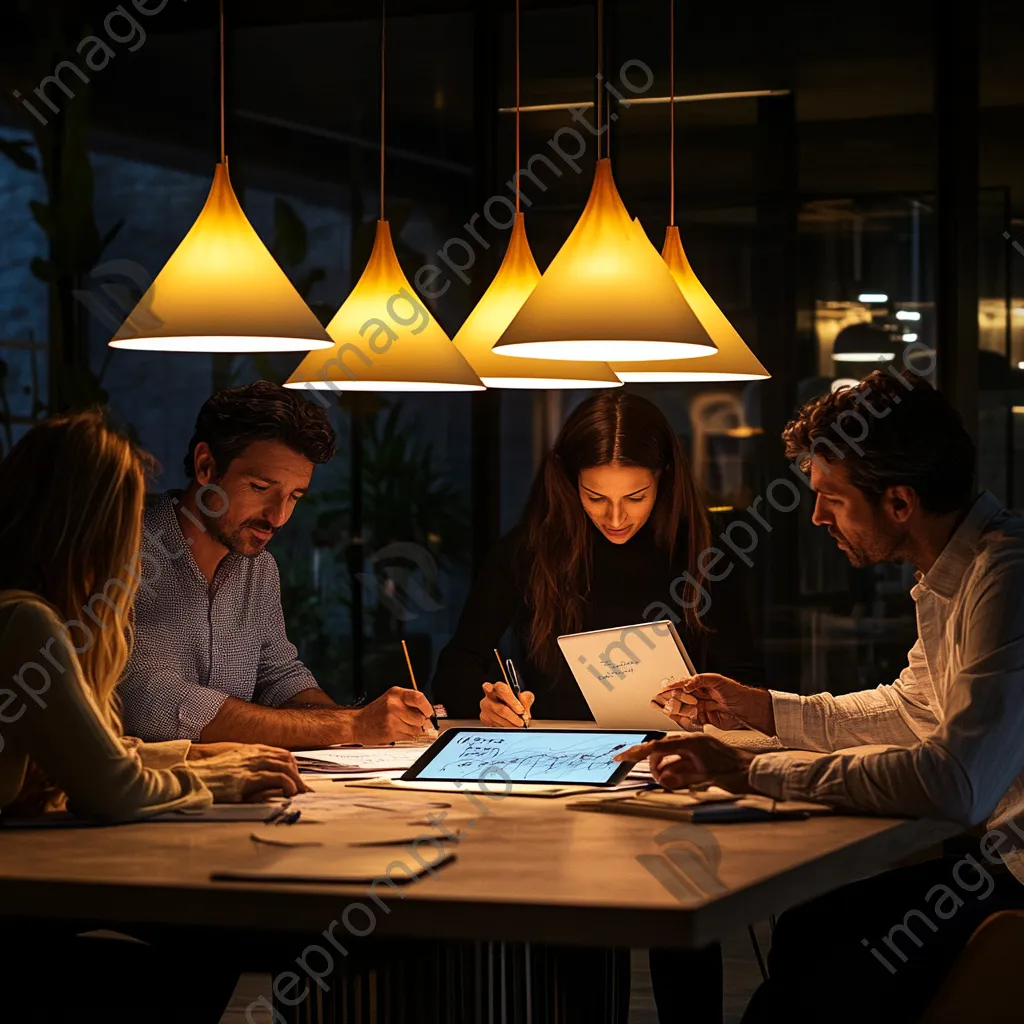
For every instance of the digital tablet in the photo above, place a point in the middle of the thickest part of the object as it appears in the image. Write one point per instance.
(619, 670)
(566, 757)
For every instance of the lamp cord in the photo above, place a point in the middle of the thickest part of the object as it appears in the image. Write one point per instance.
(600, 69)
(383, 30)
(517, 101)
(672, 112)
(223, 157)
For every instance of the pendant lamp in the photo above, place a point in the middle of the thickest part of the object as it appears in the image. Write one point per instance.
(606, 295)
(733, 360)
(384, 338)
(221, 290)
(516, 278)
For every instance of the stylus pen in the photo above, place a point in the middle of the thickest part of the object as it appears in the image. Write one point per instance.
(516, 688)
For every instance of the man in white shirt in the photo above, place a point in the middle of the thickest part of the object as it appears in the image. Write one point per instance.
(944, 741)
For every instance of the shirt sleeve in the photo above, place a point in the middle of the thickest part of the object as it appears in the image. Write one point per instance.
(897, 713)
(62, 731)
(963, 768)
(467, 661)
(281, 675)
(158, 704)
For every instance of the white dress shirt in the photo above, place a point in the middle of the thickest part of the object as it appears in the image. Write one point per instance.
(952, 724)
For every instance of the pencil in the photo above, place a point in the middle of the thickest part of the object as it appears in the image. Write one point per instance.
(501, 665)
(412, 677)
(408, 661)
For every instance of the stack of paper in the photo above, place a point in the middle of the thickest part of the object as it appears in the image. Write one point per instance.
(358, 762)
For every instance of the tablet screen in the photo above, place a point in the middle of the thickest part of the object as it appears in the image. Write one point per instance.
(550, 756)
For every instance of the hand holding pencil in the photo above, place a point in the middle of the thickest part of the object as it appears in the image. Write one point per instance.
(504, 704)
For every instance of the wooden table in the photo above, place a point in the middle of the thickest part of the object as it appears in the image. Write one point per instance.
(527, 869)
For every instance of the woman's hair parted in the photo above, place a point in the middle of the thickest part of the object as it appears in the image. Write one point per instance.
(234, 418)
(613, 428)
(889, 430)
(72, 493)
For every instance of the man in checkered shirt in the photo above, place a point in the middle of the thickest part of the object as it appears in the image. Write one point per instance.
(211, 658)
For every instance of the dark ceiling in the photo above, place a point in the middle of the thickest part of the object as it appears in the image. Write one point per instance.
(303, 88)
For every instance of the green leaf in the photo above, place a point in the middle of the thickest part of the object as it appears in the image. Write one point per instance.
(17, 151)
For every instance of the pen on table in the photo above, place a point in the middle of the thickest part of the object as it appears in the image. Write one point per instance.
(280, 815)
(412, 676)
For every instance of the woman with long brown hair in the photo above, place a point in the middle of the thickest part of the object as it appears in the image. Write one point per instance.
(611, 535)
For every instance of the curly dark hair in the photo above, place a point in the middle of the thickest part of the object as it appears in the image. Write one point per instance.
(234, 418)
(890, 429)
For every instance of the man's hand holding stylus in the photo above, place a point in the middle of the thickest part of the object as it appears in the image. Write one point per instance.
(711, 699)
(501, 709)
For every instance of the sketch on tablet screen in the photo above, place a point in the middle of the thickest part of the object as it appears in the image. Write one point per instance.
(523, 759)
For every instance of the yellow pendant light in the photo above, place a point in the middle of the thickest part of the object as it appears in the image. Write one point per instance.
(221, 290)
(734, 360)
(516, 278)
(384, 336)
(607, 294)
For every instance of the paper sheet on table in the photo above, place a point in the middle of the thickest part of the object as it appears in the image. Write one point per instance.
(361, 760)
(349, 802)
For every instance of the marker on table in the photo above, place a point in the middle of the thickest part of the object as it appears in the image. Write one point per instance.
(513, 681)
(412, 677)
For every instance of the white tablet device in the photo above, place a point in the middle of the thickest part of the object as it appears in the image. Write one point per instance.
(572, 757)
(619, 670)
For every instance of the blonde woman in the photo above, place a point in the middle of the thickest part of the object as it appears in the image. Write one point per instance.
(71, 503)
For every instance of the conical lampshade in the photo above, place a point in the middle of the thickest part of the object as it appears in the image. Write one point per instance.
(606, 295)
(516, 278)
(385, 338)
(733, 361)
(221, 291)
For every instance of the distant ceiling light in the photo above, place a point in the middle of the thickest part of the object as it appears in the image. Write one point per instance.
(910, 336)
(843, 382)
(907, 314)
(872, 297)
(863, 343)
(1018, 410)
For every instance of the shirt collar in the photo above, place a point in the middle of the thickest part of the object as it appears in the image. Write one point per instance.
(945, 575)
(167, 519)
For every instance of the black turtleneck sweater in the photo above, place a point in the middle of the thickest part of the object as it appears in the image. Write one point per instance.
(626, 580)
